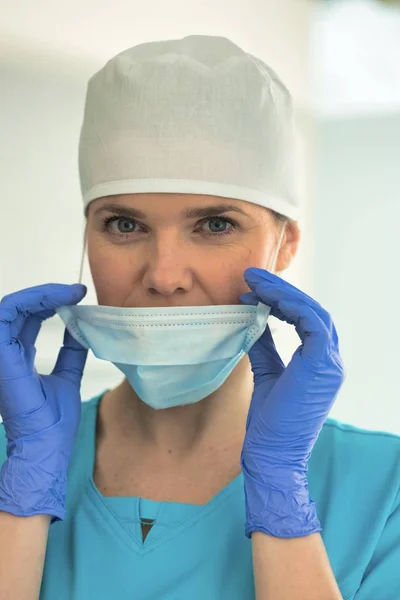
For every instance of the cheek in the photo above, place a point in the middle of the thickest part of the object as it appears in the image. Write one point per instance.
(233, 273)
(259, 256)
(111, 276)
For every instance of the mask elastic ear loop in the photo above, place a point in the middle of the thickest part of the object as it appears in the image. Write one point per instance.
(278, 247)
(83, 254)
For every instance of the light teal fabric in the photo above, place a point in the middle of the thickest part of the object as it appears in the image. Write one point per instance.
(201, 552)
(138, 341)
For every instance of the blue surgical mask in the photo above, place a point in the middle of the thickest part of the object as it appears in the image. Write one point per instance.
(170, 356)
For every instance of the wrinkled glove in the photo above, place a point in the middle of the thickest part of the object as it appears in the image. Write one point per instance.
(288, 409)
(41, 413)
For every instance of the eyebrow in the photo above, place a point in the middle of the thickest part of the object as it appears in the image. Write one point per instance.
(189, 213)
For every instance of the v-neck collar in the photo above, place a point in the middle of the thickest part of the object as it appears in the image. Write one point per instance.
(166, 511)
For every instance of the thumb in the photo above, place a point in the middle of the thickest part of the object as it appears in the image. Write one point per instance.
(71, 360)
(264, 357)
(265, 361)
(267, 367)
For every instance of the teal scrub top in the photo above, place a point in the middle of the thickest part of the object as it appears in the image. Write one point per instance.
(201, 552)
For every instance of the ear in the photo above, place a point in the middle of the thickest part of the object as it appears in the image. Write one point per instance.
(290, 244)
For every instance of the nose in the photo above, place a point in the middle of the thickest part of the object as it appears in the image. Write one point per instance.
(167, 268)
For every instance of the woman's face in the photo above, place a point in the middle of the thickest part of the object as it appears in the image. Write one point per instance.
(150, 250)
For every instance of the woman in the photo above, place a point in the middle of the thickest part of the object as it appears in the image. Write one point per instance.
(211, 471)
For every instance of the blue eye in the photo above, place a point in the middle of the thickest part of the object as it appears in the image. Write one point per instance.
(126, 225)
(221, 219)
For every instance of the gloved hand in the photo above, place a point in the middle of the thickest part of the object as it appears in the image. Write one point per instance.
(41, 413)
(288, 409)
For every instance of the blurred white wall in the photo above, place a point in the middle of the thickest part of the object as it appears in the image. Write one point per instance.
(357, 218)
(355, 73)
(47, 53)
(355, 50)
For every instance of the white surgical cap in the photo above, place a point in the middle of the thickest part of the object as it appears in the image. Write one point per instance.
(193, 116)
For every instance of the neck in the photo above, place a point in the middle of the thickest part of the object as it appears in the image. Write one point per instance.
(216, 421)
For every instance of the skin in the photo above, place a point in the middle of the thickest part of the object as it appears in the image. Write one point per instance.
(167, 259)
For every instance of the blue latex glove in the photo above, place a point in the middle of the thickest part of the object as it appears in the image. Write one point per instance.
(41, 413)
(288, 409)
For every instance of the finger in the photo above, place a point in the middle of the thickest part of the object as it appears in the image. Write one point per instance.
(29, 333)
(41, 301)
(71, 360)
(37, 291)
(15, 310)
(250, 298)
(272, 290)
(267, 366)
(314, 335)
(306, 321)
(271, 363)
(265, 360)
(254, 275)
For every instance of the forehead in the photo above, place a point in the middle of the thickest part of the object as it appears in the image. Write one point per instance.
(172, 204)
